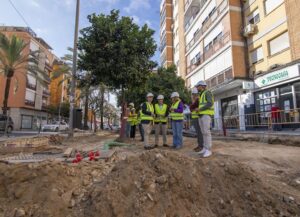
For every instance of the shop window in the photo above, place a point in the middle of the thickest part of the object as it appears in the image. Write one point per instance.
(297, 92)
(279, 43)
(285, 90)
(265, 101)
(26, 122)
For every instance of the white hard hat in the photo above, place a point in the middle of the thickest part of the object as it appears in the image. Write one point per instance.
(131, 104)
(150, 95)
(174, 94)
(201, 83)
(160, 97)
(195, 91)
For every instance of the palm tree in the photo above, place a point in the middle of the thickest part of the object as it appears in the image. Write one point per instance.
(13, 58)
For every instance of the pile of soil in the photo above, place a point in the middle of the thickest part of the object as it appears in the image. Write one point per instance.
(157, 183)
(168, 184)
(46, 189)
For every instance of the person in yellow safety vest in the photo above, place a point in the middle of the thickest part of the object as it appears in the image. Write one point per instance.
(176, 114)
(195, 116)
(141, 130)
(161, 114)
(132, 119)
(206, 111)
(128, 126)
(147, 117)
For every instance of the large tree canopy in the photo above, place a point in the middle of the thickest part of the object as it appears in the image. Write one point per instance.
(116, 51)
(164, 82)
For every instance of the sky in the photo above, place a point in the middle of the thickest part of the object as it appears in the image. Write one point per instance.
(53, 20)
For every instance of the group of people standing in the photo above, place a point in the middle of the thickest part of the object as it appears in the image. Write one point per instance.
(156, 115)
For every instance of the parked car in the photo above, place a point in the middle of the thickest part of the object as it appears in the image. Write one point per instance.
(10, 124)
(56, 126)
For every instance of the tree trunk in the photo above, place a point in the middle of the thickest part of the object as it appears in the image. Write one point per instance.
(95, 123)
(123, 120)
(86, 110)
(6, 95)
(102, 91)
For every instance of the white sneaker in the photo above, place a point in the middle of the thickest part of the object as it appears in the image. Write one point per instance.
(202, 151)
(207, 153)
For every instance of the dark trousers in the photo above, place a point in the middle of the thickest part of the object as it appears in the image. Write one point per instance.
(132, 131)
(196, 125)
(141, 131)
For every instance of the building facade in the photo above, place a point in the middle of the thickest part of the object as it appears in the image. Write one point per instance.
(166, 34)
(272, 32)
(215, 52)
(29, 98)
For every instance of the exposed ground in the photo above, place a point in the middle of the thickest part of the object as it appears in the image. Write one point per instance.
(241, 179)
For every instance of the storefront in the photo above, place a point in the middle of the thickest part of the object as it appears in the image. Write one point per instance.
(279, 88)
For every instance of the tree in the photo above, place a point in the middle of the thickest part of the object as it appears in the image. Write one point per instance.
(14, 59)
(164, 82)
(117, 51)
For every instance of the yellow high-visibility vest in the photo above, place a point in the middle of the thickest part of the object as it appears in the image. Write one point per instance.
(160, 112)
(175, 115)
(203, 101)
(145, 117)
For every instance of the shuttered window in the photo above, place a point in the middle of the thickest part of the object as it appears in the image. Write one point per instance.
(30, 95)
(257, 55)
(270, 5)
(279, 44)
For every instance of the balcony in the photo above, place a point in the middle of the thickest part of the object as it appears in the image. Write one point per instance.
(210, 50)
(222, 77)
(29, 102)
(46, 92)
(206, 24)
(30, 86)
(162, 46)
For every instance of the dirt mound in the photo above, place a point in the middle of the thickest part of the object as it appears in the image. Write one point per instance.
(168, 184)
(46, 189)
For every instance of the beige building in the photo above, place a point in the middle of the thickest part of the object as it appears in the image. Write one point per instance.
(272, 29)
(28, 98)
(166, 35)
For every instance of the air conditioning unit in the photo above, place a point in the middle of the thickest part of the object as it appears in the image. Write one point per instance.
(274, 66)
(249, 30)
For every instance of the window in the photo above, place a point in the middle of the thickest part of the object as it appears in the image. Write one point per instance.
(279, 43)
(257, 55)
(254, 18)
(31, 79)
(26, 122)
(30, 95)
(270, 5)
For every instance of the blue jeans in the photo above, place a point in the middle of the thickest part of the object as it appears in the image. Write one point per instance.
(127, 129)
(177, 133)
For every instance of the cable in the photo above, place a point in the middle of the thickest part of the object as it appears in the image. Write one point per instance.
(12, 4)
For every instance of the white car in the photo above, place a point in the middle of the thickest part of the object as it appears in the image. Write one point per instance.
(56, 126)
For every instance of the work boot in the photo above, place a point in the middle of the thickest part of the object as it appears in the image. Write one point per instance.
(197, 149)
(166, 145)
(207, 153)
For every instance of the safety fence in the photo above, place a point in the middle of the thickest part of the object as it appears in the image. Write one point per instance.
(273, 120)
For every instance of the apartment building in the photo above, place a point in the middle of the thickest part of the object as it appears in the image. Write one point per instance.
(215, 52)
(28, 99)
(179, 37)
(272, 29)
(166, 34)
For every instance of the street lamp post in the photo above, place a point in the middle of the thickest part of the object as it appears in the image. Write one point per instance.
(74, 69)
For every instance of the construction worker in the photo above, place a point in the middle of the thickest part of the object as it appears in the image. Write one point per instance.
(160, 121)
(128, 126)
(132, 119)
(176, 114)
(141, 130)
(195, 117)
(206, 111)
(147, 117)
